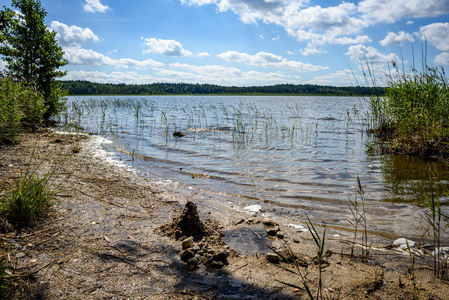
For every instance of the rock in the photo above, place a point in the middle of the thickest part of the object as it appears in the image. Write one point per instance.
(178, 134)
(187, 243)
(240, 221)
(269, 222)
(215, 264)
(250, 221)
(192, 261)
(221, 256)
(272, 231)
(196, 248)
(279, 235)
(187, 254)
(273, 258)
(20, 255)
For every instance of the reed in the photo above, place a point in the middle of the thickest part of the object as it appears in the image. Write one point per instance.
(413, 111)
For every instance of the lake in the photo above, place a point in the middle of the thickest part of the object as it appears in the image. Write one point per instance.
(289, 155)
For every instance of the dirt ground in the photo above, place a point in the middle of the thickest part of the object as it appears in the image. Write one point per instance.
(101, 240)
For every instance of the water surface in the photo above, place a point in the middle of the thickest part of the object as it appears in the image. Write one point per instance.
(290, 155)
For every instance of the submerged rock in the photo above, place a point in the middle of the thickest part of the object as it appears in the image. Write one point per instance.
(273, 258)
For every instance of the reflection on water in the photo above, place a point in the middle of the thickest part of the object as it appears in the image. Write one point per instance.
(293, 154)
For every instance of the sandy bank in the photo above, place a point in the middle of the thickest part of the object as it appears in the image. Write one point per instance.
(101, 241)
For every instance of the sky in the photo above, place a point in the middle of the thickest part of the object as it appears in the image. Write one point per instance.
(246, 42)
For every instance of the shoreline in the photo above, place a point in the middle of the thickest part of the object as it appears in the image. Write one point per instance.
(100, 240)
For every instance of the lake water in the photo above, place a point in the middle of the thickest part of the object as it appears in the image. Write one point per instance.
(290, 155)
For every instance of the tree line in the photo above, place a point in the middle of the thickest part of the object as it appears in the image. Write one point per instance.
(81, 87)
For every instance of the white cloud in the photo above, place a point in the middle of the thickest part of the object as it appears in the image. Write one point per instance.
(363, 55)
(442, 59)
(165, 47)
(94, 6)
(72, 36)
(319, 25)
(203, 54)
(437, 34)
(278, 37)
(80, 56)
(397, 38)
(178, 72)
(113, 77)
(198, 2)
(339, 78)
(390, 11)
(269, 60)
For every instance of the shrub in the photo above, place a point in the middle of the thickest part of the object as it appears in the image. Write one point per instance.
(414, 111)
(28, 200)
(20, 106)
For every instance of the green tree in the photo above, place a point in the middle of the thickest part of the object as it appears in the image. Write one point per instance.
(31, 51)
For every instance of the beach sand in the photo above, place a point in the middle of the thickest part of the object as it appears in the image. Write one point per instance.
(101, 240)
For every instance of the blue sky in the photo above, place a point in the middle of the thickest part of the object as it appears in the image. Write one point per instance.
(244, 42)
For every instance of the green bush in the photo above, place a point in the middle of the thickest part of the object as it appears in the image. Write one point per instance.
(20, 106)
(414, 112)
(28, 200)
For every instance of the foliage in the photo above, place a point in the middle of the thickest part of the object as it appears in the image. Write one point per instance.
(31, 51)
(91, 88)
(20, 106)
(29, 198)
(414, 111)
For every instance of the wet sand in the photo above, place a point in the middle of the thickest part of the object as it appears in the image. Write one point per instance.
(101, 240)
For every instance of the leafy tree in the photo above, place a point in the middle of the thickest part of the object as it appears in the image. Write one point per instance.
(31, 51)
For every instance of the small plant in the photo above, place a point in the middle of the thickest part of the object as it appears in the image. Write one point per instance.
(435, 218)
(359, 214)
(319, 242)
(29, 197)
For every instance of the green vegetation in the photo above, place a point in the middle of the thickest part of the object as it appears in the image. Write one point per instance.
(29, 197)
(31, 52)
(412, 114)
(5, 281)
(91, 88)
(20, 107)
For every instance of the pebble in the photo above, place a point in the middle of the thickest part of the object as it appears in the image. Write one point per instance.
(20, 255)
(269, 222)
(187, 243)
(279, 235)
(272, 231)
(272, 258)
(216, 264)
(187, 254)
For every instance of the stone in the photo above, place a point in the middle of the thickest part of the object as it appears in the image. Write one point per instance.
(192, 261)
(269, 222)
(216, 264)
(187, 254)
(221, 256)
(279, 235)
(272, 231)
(273, 258)
(187, 243)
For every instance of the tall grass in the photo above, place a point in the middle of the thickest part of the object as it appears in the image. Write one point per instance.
(28, 198)
(413, 111)
(20, 107)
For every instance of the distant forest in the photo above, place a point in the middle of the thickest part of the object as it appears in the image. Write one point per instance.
(91, 88)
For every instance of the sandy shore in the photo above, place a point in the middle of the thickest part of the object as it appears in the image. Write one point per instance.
(101, 241)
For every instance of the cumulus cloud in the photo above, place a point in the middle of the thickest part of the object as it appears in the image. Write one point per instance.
(203, 54)
(319, 25)
(165, 47)
(72, 36)
(397, 38)
(391, 11)
(437, 34)
(361, 54)
(269, 60)
(94, 6)
(80, 56)
(179, 72)
(442, 59)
